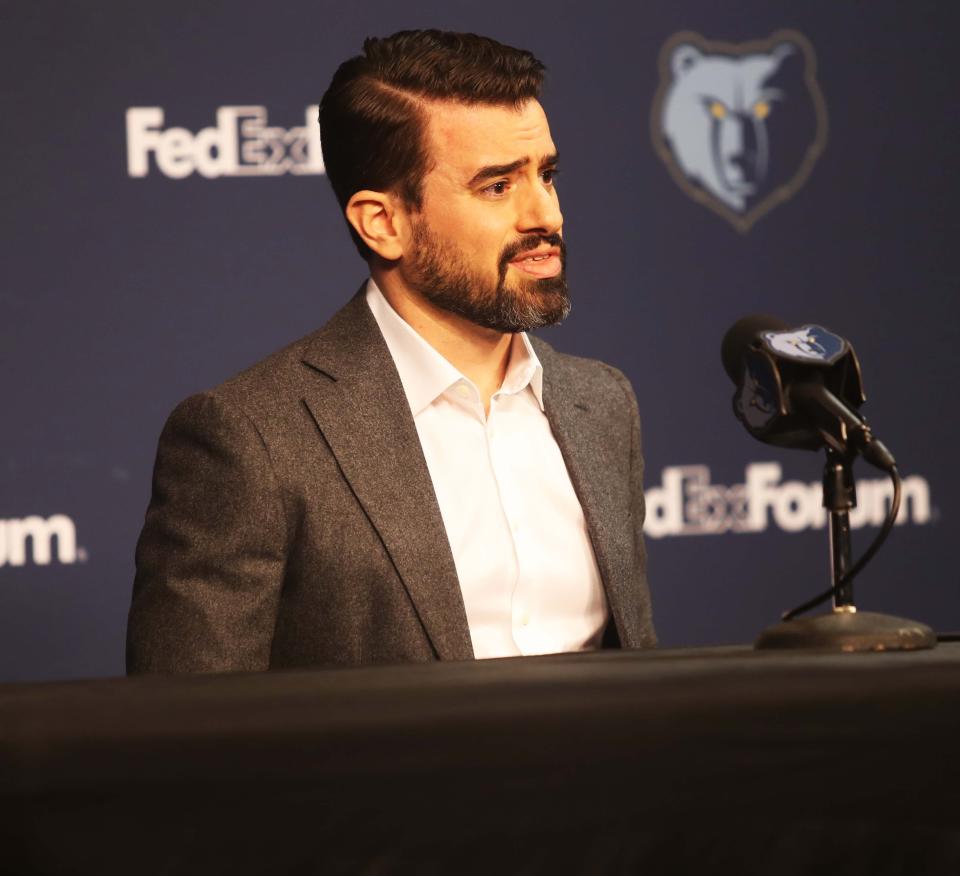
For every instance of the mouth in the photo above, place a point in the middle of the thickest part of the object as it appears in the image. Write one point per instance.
(540, 263)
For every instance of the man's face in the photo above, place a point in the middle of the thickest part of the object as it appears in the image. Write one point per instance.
(487, 242)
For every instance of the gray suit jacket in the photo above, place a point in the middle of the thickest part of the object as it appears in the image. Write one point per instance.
(293, 521)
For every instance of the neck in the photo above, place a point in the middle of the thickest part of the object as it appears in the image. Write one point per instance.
(479, 354)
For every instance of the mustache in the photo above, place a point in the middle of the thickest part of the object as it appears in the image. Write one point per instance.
(530, 242)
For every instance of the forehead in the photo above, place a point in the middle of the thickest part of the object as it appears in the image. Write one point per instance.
(463, 138)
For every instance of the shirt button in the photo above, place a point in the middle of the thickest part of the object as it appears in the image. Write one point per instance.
(525, 619)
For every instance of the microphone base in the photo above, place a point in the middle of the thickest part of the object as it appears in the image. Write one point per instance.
(848, 630)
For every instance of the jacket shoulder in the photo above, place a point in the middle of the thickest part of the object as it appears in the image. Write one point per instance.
(288, 372)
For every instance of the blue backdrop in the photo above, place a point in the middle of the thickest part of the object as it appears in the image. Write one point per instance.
(166, 223)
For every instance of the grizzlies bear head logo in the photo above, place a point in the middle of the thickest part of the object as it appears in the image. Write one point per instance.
(739, 126)
(809, 343)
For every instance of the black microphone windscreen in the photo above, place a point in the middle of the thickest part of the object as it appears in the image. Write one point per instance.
(739, 337)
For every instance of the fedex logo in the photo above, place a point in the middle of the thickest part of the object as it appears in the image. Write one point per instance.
(240, 144)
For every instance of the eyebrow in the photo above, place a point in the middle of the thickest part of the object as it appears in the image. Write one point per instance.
(492, 171)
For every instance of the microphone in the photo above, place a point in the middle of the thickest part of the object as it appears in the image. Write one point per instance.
(799, 387)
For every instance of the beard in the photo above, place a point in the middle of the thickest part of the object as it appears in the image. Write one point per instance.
(439, 272)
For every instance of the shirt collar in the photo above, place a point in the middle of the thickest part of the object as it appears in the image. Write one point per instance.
(524, 369)
(425, 374)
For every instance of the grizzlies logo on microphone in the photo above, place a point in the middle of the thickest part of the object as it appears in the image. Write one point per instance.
(739, 126)
(809, 343)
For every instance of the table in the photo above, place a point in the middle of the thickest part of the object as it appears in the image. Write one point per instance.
(699, 760)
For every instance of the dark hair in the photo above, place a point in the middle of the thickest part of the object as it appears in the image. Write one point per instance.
(373, 118)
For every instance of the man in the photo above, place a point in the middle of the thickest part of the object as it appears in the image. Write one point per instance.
(417, 480)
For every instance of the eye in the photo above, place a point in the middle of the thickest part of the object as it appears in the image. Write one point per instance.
(717, 109)
(549, 175)
(761, 109)
(497, 188)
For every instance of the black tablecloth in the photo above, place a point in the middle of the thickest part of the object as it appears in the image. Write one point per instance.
(613, 762)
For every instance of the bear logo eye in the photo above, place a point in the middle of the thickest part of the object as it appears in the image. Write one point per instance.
(761, 109)
(717, 109)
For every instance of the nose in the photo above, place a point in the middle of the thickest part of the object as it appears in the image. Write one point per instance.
(540, 210)
(745, 153)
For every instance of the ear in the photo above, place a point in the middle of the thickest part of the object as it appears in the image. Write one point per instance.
(683, 58)
(379, 218)
(781, 53)
(783, 50)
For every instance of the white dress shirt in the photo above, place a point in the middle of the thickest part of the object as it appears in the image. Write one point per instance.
(526, 566)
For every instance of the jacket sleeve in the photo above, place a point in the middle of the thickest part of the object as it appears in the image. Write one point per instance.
(210, 560)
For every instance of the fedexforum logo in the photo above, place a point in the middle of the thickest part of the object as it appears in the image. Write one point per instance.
(241, 144)
(686, 503)
(38, 539)
(739, 125)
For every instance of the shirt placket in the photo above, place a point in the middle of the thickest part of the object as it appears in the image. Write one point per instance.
(498, 441)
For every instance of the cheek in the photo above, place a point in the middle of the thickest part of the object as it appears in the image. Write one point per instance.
(479, 230)
(480, 234)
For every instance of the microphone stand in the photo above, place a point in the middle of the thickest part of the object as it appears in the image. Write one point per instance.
(844, 628)
(839, 496)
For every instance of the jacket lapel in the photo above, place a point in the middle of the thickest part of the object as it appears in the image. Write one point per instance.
(359, 405)
(579, 432)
